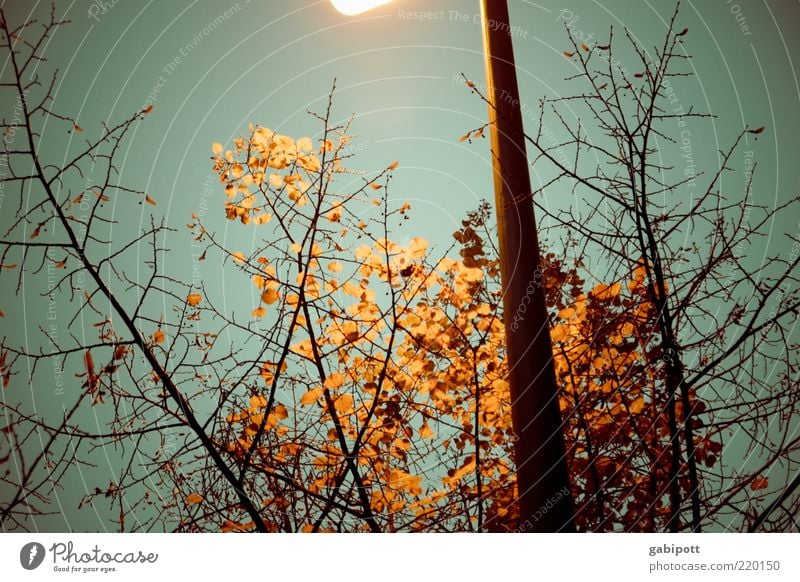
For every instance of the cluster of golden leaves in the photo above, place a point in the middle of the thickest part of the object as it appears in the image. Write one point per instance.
(407, 358)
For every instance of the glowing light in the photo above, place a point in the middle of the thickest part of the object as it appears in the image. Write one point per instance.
(353, 7)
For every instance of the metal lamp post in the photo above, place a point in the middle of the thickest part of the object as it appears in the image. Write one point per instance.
(545, 503)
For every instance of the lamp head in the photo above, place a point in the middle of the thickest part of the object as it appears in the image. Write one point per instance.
(353, 7)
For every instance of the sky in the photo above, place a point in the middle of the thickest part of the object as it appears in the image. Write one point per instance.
(211, 67)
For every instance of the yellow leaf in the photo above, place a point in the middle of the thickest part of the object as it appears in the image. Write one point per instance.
(238, 256)
(334, 381)
(363, 252)
(567, 313)
(296, 248)
(637, 405)
(259, 312)
(269, 296)
(425, 431)
(344, 403)
(334, 267)
(375, 186)
(605, 292)
(194, 299)
(311, 396)
(194, 498)
(216, 148)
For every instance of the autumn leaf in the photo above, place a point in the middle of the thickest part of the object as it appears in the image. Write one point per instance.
(334, 381)
(425, 431)
(194, 299)
(78, 128)
(465, 137)
(159, 336)
(759, 483)
(637, 405)
(259, 312)
(683, 32)
(238, 256)
(375, 186)
(758, 131)
(585, 47)
(568, 54)
(269, 296)
(393, 165)
(147, 109)
(216, 148)
(311, 396)
(603, 47)
(150, 200)
(194, 498)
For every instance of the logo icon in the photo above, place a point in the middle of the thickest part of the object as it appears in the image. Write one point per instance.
(31, 555)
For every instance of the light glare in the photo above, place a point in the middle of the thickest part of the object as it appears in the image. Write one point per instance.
(353, 7)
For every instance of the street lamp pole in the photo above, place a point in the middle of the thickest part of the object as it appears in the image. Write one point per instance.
(545, 503)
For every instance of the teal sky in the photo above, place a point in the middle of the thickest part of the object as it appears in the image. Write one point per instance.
(211, 67)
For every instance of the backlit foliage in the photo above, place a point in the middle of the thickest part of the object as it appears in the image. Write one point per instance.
(383, 383)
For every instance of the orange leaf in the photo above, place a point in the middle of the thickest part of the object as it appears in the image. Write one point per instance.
(194, 498)
(194, 299)
(150, 200)
(259, 312)
(147, 109)
(393, 165)
(311, 396)
(759, 483)
(78, 128)
(269, 296)
(568, 54)
(159, 336)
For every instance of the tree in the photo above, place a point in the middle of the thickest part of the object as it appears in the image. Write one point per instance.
(361, 385)
(701, 327)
